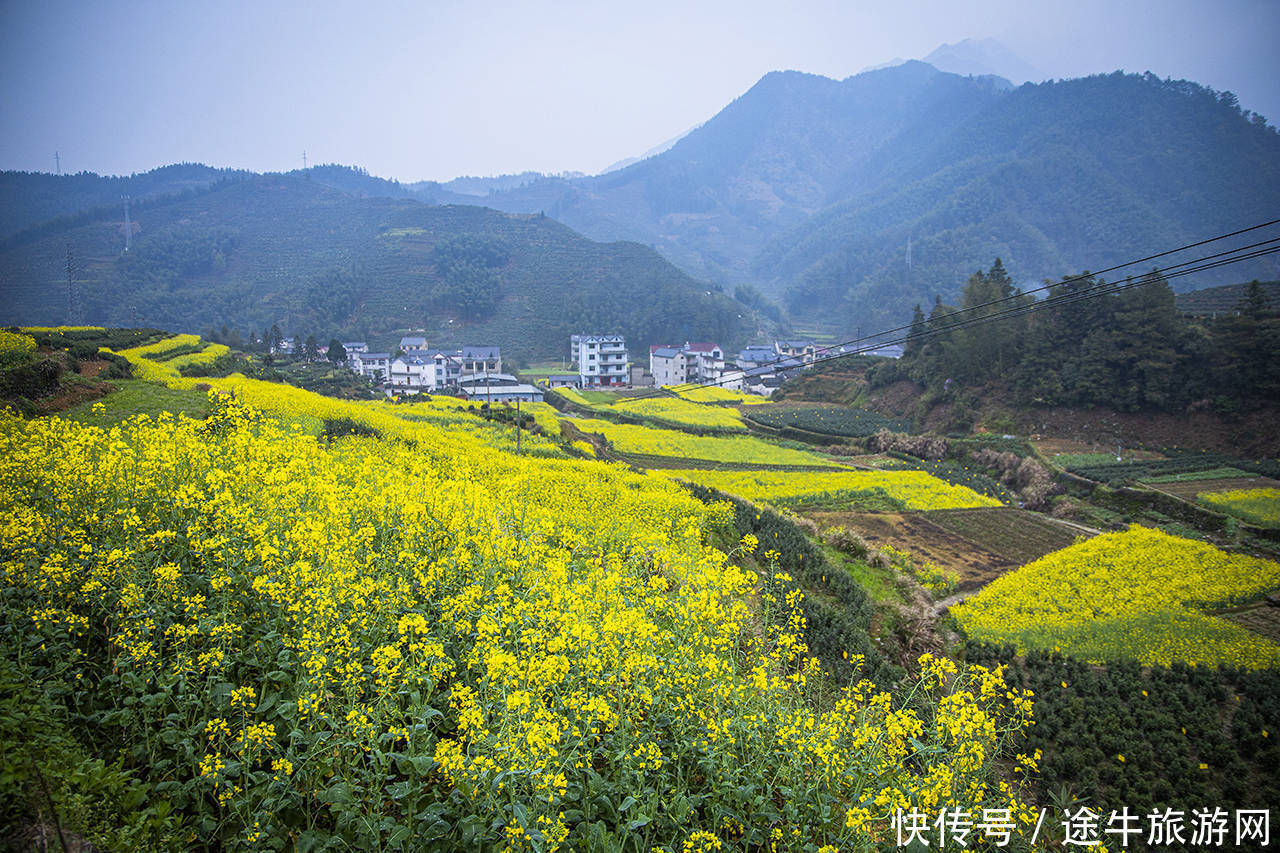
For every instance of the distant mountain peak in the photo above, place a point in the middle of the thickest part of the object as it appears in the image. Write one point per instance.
(652, 152)
(984, 57)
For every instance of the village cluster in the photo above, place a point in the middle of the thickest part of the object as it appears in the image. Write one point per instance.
(595, 361)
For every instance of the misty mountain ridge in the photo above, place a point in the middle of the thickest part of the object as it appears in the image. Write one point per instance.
(984, 57)
(811, 188)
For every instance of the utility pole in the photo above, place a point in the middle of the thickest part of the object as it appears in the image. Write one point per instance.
(518, 425)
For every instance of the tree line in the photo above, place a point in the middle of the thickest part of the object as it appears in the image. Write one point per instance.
(1125, 347)
(271, 342)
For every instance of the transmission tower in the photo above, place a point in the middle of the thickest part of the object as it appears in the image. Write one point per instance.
(304, 160)
(128, 227)
(908, 263)
(73, 302)
(57, 159)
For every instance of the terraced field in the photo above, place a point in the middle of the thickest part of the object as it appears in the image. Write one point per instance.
(978, 545)
(1014, 534)
(1189, 489)
(1262, 619)
(914, 533)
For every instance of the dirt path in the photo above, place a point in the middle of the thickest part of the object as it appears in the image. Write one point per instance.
(943, 605)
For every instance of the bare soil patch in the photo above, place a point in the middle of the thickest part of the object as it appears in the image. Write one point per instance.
(1014, 534)
(1261, 619)
(91, 369)
(1251, 435)
(914, 533)
(72, 395)
(1051, 447)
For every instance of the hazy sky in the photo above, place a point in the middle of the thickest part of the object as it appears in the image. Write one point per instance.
(442, 88)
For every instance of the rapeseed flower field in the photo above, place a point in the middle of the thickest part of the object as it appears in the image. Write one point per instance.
(717, 394)
(1258, 506)
(916, 490)
(15, 346)
(633, 438)
(1135, 595)
(686, 412)
(682, 409)
(408, 422)
(432, 643)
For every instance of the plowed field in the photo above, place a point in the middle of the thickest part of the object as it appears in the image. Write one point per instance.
(978, 545)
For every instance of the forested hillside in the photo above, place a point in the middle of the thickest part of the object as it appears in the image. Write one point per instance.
(1126, 347)
(814, 188)
(1053, 178)
(288, 250)
(31, 199)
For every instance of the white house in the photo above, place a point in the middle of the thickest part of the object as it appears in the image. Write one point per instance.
(668, 366)
(705, 362)
(498, 388)
(413, 346)
(693, 362)
(425, 369)
(480, 359)
(410, 373)
(372, 365)
(354, 348)
(805, 351)
(601, 359)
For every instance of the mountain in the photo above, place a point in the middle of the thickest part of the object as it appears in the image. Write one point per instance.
(764, 164)
(1052, 178)
(291, 250)
(30, 199)
(652, 152)
(979, 57)
(812, 187)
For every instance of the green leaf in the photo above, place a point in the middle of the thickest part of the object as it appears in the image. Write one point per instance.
(336, 793)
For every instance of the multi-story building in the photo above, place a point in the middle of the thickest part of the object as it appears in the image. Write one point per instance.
(480, 359)
(805, 351)
(668, 365)
(372, 365)
(354, 348)
(705, 362)
(434, 370)
(413, 346)
(410, 373)
(693, 362)
(601, 359)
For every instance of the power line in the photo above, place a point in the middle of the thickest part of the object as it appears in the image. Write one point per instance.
(1195, 265)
